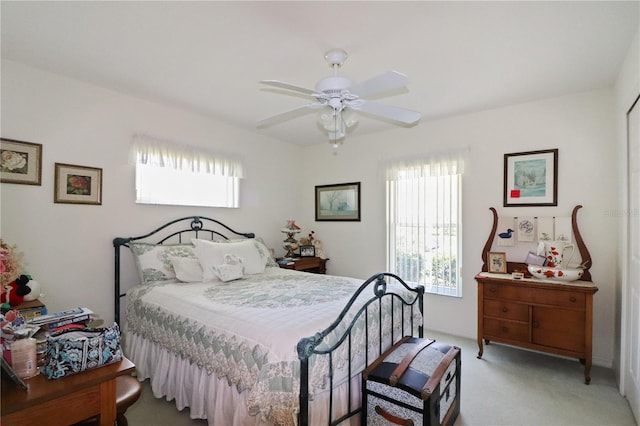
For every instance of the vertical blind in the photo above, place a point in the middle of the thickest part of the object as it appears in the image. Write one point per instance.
(424, 220)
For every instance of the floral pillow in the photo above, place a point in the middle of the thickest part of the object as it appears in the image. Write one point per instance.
(154, 260)
(261, 246)
(212, 253)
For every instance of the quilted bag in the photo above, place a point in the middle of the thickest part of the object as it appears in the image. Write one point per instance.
(72, 351)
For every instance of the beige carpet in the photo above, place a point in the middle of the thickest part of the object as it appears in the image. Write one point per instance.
(508, 386)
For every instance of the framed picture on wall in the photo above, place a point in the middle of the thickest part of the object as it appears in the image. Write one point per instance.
(77, 184)
(339, 202)
(531, 178)
(21, 162)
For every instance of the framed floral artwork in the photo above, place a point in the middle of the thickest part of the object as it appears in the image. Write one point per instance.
(497, 262)
(531, 178)
(77, 184)
(21, 162)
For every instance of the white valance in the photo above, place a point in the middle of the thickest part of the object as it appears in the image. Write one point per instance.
(154, 152)
(445, 163)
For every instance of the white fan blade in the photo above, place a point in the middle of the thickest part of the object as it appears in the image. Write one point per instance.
(287, 115)
(389, 112)
(391, 80)
(276, 83)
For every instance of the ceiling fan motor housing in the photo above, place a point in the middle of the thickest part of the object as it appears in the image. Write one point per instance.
(336, 84)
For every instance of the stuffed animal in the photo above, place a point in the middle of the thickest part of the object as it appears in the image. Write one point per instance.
(319, 249)
(17, 290)
(34, 294)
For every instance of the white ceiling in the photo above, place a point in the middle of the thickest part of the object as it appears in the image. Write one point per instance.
(209, 56)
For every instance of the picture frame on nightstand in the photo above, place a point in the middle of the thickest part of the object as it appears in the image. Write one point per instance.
(307, 251)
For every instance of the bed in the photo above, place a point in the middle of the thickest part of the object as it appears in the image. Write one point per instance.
(276, 346)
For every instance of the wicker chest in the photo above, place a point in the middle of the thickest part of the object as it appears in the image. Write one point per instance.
(415, 382)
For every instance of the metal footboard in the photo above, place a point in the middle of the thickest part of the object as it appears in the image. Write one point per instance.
(309, 346)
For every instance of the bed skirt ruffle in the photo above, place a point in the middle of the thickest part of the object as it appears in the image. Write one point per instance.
(212, 398)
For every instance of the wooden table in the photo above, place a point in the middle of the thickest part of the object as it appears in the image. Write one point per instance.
(64, 401)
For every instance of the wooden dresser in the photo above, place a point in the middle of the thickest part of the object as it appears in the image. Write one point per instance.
(544, 315)
(549, 317)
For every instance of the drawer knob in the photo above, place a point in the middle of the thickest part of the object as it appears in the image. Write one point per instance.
(505, 309)
(505, 329)
(573, 299)
(492, 289)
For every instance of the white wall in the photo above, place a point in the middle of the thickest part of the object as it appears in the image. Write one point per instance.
(581, 126)
(68, 247)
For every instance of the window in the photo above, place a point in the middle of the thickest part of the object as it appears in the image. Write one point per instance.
(424, 222)
(172, 174)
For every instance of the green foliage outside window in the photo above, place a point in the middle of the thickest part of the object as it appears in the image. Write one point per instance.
(413, 267)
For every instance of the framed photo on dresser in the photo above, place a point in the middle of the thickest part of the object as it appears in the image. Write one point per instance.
(497, 262)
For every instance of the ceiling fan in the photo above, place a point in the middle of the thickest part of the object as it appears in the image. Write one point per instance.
(336, 97)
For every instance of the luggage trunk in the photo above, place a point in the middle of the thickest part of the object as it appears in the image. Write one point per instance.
(415, 382)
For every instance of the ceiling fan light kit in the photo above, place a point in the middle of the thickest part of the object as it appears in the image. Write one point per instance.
(338, 97)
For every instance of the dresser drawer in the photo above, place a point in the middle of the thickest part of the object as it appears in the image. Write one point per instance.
(568, 299)
(510, 292)
(506, 310)
(506, 329)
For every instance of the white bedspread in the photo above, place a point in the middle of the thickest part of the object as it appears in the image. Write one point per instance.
(246, 331)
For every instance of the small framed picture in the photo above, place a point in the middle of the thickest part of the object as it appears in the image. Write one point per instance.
(497, 262)
(307, 251)
(21, 162)
(77, 184)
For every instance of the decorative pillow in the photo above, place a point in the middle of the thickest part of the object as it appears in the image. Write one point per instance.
(187, 270)
(232, 269)
(154, 260)
(212, 254)
(260, 245)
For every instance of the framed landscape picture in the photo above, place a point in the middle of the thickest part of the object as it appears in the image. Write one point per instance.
(531, 178)
(339, 202)
(77, 184)
(21, 162)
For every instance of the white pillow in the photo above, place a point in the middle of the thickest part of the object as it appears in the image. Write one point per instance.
(212, 254)
(232, 269)
(187, 270)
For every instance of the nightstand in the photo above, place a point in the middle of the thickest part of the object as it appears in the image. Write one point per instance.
(315, 265)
